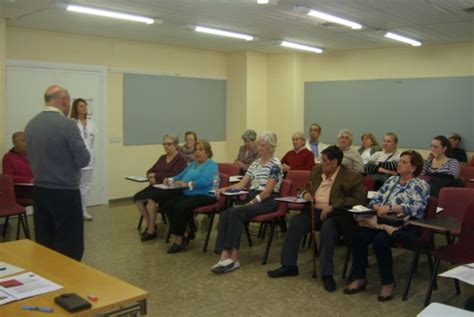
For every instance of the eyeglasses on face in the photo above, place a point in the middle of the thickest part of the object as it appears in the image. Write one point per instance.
(167, 144)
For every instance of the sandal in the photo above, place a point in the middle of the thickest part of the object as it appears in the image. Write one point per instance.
(351, 291)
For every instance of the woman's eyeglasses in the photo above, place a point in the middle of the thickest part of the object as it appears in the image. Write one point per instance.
(167, 144)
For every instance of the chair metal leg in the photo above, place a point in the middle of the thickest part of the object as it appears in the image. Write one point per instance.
(260, 230)
(19, 222)
(269, 243)
(26, 228)
(430, 263)
(211, 221)
(264, 231)
(5, 226)
(247, 233)
(413, 265)
(457, 287)
(430, 286)
(140, 221)
(346, 262)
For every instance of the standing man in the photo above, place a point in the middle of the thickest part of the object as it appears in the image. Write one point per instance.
(313, 143)
(57, 153)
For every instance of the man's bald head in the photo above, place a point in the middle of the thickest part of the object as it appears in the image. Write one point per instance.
(58, 97)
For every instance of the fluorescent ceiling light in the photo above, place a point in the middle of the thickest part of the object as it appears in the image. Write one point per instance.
(301, 47)
(403, 39)
(262, 1)
(332, 18)
(204, 29)
(110, 14)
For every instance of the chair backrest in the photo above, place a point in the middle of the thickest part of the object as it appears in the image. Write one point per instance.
(467, 228)
(223, 182)
(7, 189)
(369, 183)
(285, 190)
(454, 201)
(299, 179)
(467, 172)
(471, 163)
(229, 169)
(430, 213)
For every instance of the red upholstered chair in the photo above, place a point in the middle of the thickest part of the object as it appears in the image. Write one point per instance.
(275, 216)
(369, 183)
(467, 172)
(9, 207)
(461, 252)
(471, 163)
(454, 201)
(212, 209)
(299, 179)
(228, 168)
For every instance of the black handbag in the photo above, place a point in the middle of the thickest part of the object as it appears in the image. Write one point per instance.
(392, 220)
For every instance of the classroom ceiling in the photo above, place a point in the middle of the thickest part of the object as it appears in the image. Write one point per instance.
(429, 21)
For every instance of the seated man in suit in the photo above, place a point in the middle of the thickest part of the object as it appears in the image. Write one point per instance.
(15, 163)
(332, 187)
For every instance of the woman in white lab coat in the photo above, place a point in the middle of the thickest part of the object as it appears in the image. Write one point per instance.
(88, 133)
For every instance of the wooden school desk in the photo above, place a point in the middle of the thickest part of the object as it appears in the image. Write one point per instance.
(75, 277)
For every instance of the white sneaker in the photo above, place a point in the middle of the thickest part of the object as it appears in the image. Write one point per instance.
(219, 266)
(87, 216)
(231, 267)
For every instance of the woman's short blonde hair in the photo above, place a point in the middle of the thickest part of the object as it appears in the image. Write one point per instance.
(206, 145)
(393, 136)
(270, 140)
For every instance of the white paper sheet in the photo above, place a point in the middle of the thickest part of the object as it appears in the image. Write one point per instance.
(26, 285)
(463, 273)
(140, 179)
(235, 179)
(371, 194)
(6, 298)
(8, 269)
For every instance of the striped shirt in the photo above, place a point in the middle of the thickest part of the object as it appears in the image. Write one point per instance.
(388, 161)
(260, 174)
(450, 167)
(412, 196)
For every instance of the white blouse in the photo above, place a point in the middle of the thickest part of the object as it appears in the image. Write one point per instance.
(88, 134)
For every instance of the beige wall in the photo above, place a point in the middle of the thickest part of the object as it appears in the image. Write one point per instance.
(115, 54)
(265, 92)
(3, 40)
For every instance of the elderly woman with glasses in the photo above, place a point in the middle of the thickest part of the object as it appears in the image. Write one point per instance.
(247, 152)
(404, 195)
(263, 180)
(195, 184)
(169, 164)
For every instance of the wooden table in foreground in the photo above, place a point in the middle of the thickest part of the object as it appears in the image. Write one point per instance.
(113, 294)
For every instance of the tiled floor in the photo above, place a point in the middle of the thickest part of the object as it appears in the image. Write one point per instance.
(182, 285)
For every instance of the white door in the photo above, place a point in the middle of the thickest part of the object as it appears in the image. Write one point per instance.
(26, 83)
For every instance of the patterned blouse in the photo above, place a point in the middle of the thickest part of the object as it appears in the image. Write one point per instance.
(260, 174)
(412, 196)
(451, 167)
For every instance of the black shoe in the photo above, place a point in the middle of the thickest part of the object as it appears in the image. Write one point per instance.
(351, 291)
(283, 271)
(175, 248)
(329, 283)
(148, 236)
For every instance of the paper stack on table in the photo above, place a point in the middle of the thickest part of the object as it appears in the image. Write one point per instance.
(24, 285)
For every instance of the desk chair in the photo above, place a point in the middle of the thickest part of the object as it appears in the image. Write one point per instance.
(272, 218)
(211, 210)
(461, 252)
(9, 206)
(467, 173)
(228, 169)
(454, 201)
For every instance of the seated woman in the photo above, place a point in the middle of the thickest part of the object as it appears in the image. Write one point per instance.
(368, 147)
(383, 164)
(247, 152)
(187, 149)
(169, 164)
(404, 195)
(15, 163)
(263, 180)
(352, 159)
(196, 183)
(439, 170)
(300, 158)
